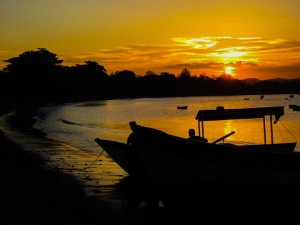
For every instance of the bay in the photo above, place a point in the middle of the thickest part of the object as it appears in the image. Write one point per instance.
(79, 124)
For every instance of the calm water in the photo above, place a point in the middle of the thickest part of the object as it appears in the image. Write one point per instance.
(79, 124)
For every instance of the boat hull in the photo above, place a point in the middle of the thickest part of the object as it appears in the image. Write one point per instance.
(280, 147)
(171, 159)
(126, 157)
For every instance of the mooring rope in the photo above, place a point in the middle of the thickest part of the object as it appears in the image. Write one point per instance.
(280, 133)
(94, 161)
(289, 132)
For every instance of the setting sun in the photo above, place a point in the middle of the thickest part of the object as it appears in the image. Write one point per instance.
(229, 70)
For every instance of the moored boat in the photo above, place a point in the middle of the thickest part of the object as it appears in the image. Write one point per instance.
(294, 107)
(173, 159)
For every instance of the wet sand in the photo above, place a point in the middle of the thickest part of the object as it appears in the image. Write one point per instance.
(35, 190)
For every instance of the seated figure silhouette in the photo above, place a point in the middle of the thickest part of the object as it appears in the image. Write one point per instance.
(192, 136)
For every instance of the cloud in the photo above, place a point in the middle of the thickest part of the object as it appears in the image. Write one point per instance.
(248, 55)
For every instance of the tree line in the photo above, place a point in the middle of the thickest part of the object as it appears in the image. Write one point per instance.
(40, 75)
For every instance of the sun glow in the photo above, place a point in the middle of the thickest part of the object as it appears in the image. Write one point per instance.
(229, 70)
(231, 56)
(197, 43)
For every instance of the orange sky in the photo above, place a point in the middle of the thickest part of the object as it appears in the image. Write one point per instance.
(257, 38)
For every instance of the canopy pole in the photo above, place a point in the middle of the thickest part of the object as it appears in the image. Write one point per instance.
(271, 128)
(264, 122)
(202, 126)
(203, 129)
(199, 128)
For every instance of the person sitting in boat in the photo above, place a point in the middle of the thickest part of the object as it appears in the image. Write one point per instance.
(192, 136)
(130, 139)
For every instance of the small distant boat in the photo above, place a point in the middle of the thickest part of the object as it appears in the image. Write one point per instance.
(246, 98)
(182, 107)
(294, 107)
(262, 96)
(291, 96)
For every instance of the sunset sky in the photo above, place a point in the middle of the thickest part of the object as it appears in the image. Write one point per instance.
(253, 38)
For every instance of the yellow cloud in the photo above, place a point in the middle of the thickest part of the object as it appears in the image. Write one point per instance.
(210, 55)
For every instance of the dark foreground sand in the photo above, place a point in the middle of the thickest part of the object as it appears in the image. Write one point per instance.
(33, 194)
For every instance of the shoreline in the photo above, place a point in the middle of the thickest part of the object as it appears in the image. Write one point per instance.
(38, 195)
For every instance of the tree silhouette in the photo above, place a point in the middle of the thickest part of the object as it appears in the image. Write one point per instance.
(32, 73)
(123, 83)
(89, 79)
(33, 64)
(185, 74)
(124, 75)
(89, 69)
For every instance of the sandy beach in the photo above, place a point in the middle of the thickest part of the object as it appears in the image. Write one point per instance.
(33, 193)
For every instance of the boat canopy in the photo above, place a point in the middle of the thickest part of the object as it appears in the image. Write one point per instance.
(245, 113)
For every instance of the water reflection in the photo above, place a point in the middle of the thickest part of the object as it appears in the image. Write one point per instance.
(229, 128)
